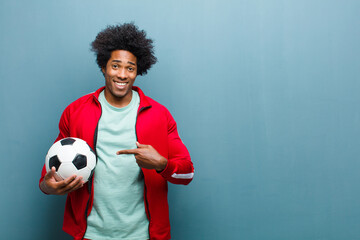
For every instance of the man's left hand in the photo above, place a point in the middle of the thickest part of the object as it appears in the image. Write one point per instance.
(146, 157)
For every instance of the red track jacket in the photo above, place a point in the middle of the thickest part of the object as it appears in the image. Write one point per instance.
(154, 126)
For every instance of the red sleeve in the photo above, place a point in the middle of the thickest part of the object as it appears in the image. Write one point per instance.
(63, 132)
(179, 169)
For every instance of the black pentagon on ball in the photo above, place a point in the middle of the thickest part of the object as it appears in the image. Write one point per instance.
(80, 161)
(54, 162)
(67, 141)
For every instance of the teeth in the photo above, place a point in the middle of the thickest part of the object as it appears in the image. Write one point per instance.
(120, 84)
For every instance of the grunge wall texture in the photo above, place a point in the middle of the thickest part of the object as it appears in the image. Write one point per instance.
(265, 94)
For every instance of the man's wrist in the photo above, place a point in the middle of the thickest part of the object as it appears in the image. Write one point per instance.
(162, 165)
(43, 187)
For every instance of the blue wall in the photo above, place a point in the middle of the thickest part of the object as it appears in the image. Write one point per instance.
(265, 93)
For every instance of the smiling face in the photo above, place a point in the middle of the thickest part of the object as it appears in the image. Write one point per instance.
(120, 74)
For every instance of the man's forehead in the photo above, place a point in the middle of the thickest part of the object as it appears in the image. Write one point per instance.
(119, 61)
(123, 56)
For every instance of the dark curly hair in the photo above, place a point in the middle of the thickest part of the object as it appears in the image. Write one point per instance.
(127, 37)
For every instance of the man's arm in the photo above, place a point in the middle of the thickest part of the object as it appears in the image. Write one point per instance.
(177, 168)
(48, 183)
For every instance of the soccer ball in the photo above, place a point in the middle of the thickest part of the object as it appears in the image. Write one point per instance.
(71, 156)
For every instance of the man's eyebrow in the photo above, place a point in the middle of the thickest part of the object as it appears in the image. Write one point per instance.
(128, 62)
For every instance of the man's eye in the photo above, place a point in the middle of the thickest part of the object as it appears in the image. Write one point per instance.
(131, 69)
(115, 66)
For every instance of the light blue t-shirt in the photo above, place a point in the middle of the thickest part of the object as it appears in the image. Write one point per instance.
(118, 211)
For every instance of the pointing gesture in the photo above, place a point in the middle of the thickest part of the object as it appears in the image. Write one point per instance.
(146, 157)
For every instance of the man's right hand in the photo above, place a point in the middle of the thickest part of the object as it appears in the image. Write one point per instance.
(51, 186)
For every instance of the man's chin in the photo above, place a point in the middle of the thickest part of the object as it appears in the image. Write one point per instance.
(122, 94)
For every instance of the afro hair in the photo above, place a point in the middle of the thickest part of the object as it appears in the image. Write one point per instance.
(127, 37)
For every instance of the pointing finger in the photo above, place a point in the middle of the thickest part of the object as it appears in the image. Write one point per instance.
(127, 151)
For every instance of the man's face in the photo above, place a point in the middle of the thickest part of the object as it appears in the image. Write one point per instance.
(120, 74)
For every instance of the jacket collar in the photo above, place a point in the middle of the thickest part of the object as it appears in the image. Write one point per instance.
(144, 103)
(97, 92)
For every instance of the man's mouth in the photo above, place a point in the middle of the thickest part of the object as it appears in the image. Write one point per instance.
(120, 84)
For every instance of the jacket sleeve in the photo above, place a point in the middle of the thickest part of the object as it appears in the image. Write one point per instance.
(179, 168)
(63, 132)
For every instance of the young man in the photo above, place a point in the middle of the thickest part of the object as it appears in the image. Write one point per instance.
(137, 146)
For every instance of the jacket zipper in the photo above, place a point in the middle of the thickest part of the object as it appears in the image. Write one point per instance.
(145, 190)
(92, 174)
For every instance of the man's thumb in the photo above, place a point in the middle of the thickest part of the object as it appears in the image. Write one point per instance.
(139, 145)
(51, 173)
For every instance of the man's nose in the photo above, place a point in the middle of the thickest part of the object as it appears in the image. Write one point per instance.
(122, 73)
